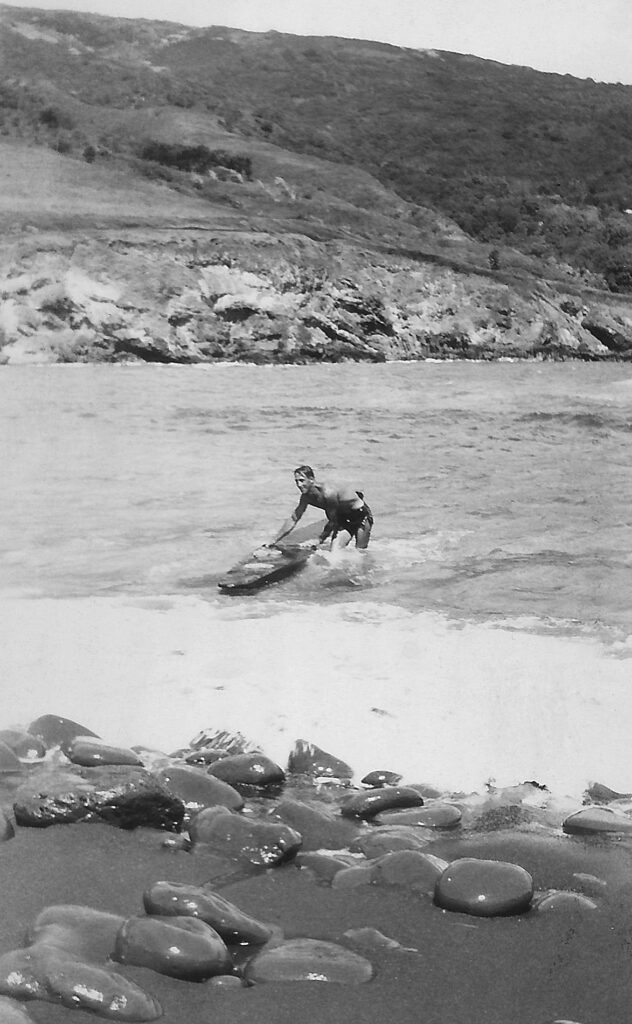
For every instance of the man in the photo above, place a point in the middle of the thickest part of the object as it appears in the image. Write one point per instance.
(348, 515)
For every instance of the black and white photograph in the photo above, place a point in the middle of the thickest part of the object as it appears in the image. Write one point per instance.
(316, 517)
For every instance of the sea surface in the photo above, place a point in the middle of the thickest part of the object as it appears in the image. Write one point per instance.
(486, 634)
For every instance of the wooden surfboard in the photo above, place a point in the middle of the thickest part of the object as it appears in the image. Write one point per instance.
(268, 565)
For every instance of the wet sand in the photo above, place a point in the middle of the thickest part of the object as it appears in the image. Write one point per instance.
(534, 968)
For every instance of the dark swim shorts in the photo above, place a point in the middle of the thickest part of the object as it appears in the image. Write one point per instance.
(353, 520)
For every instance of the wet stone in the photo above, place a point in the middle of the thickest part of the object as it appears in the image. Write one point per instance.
(353, 877)
(321, 866)
(7, 831)
(12, 1013)
(308, 759)
(185, 900)
(81, 931)
(248, 770)
(90, 753)
(198, 790)
(54, 976)
(319, 828)
(309, 960)
(126, 797)
(562, 900)
(243, 839)
(180, 947)
(389, 838)
(435, 815)
(597, 793)
(9, 761)
(23, 744)
(367, 805)
(409, 868)
(205, 755)
(57, 732)
(484, 888)
(597, 819)
(377, 779)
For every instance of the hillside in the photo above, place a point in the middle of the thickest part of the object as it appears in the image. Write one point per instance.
(195, 194)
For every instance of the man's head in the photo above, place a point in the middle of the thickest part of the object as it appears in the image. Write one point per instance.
(304, 478)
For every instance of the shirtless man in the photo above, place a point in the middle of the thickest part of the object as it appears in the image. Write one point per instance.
(348, 515)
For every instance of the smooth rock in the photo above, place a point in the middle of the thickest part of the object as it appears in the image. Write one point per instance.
(198, 790)
(23, 744)
(589, 884)
(9, 761)
(309, 960)
(596, 819)
(353, 877)
(377, 779)
(484, 888)
(248, 770)
(366, 805)
(562, 900)
(81, 931)
(436, 815)
(410, 868)
(90, 753)
(243, 839)
(182, 899)
(126, 797)
(319, 828)
(53, 976)
(7, 831)
(308, 759)
(205, 755)
(597, 793)
(322, 866)
(373, 940)
(389, 838)
(57, 732)
(180, 947)
(12, 1013)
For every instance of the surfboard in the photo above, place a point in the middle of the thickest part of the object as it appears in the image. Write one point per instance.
(267, 565)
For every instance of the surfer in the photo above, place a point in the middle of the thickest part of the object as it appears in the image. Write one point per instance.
(348, 515)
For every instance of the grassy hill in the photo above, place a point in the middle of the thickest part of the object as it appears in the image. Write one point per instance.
(514, 157)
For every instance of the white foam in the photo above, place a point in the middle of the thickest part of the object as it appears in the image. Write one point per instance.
(379, 687)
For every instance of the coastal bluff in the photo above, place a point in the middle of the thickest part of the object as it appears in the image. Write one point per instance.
(197, 295)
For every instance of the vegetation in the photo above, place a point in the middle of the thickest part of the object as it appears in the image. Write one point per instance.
(538, 162)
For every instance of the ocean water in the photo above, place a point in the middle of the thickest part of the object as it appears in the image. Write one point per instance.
(485, 634)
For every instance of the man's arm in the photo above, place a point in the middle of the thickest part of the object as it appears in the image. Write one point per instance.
(327, 531)
(290, 523)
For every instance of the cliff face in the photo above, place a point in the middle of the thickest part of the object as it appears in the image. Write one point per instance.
(188, 296)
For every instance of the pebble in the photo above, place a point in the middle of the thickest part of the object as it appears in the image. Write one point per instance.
(389, 838)
(23, 744)
(89, 752)
(309, 960)
(206, 755)
(54, 976)
(180, 947)
(436, 815)
(367, 805)
(198, 790)
(352, 877)
(563, 900)
(484, 888)
(248, 770)
(596, 819)
(322, 867)
(409, 868)
(242, 839)
(183, 899)
(9, 761)
(57, 732)
(376, 779)
(308, 759)
(319, 828)
(82, 931)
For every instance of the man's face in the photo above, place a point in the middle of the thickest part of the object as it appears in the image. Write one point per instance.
(302, 482)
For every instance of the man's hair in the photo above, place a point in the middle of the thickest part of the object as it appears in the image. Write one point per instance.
(306, 471)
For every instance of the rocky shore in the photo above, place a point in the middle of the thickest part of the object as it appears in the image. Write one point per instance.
(203, 296)
(211, 883)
